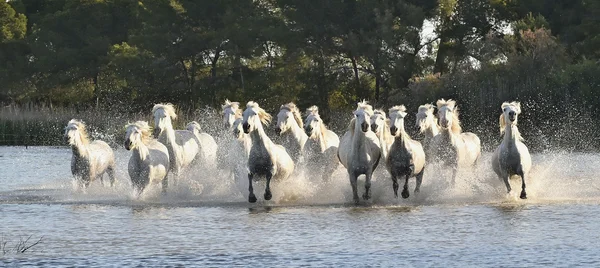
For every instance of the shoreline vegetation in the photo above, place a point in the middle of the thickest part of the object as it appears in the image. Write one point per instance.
(107, 62)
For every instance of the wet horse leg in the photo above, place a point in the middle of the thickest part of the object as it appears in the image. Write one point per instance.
(251, 196)
(523, 193)
(505, 179)
(405, 193)
(395, 184)
(268, 194)
(419, 178)
(367, 194)
(354, 185)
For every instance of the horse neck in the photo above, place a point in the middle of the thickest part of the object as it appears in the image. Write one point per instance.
(141, 152)
(259, 137)
(80, 149)
(433, 129)
(295, 132)
(402, 135)
(510, 134)
(358, 138)
(170, 140)
(447, 135)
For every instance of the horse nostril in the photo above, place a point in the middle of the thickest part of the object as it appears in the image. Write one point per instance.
(393, 130)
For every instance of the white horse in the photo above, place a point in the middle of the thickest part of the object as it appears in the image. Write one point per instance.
(265, 157)
(239, 150)
(90, 159)
(380, 126)
(227, 157)
(183, 145)
(231, 112)
(452, 147)
(149, 162)
(428, 125)
(360, 150)
(407, 157)
(320, 150)
(208, 145)
(290, 128)
(512, 156)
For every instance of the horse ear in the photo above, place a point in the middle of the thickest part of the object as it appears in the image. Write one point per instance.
(502, 124)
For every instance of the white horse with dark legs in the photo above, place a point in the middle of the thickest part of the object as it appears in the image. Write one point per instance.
(265, 157)
(208, 145)
(149, 162)
(182, 144)
(428, 125)
(407, 157)
(90, 159)
(290, 128)
(380, 126)
(320, 150)
(452, 147)
(512, 156)
(360, 150)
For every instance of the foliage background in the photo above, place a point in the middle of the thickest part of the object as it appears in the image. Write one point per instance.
(109, 61)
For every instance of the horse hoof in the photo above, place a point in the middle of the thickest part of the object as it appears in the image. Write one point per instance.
(523, 195)
(268, 196)
(405, 194)
(366, 196)
(252, 198)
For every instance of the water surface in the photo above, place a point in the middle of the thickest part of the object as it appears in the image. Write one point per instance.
(206, 221)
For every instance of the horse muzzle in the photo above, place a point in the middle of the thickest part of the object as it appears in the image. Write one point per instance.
(374, 128)
(308, 130)
(278, 130)
(444, 123)
(246, 128)
(127, 145)
(156, 132)
(393, 130)
(364, 127)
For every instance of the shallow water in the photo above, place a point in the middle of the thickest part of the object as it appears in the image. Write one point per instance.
(206, 221)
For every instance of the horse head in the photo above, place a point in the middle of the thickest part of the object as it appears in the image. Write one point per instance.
(136, 133)
(231, 111)
(397, 114)
(163, 116)
(363, 114)
(510, 113)
(378, 121)
(313, 122)
(425, 117)
(448, 115)
(287, 116)
(253, 117)
(75, 132)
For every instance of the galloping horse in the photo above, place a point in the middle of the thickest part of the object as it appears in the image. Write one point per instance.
(183, 145)
(360, 150)
(289, 127)
(451, 146)
(407, 157)
(265, 157)
(149, 162)
(512, 156)
(428, 125)
(320, 150)
(90, 159)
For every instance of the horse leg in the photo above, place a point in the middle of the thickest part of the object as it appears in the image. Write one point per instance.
(367, 194)
(508, 189)
(395, 185)
(251, 196)
(165, 184)
(454, 173)
(111, 175)
(353, 183)
(419, 178)
(268, 194)
(523, 193)
(405, 193)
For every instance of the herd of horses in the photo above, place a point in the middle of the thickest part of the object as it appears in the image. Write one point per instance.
(372, 139)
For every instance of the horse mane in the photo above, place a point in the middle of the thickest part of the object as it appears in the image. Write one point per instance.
(265, 117)
(425, 108)
(167, 107)
(398, 108)
(144, 128)
(85, 138)
(233, 104)
(456, 128)
(295, 111)
(365, 106)
(380, 112)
